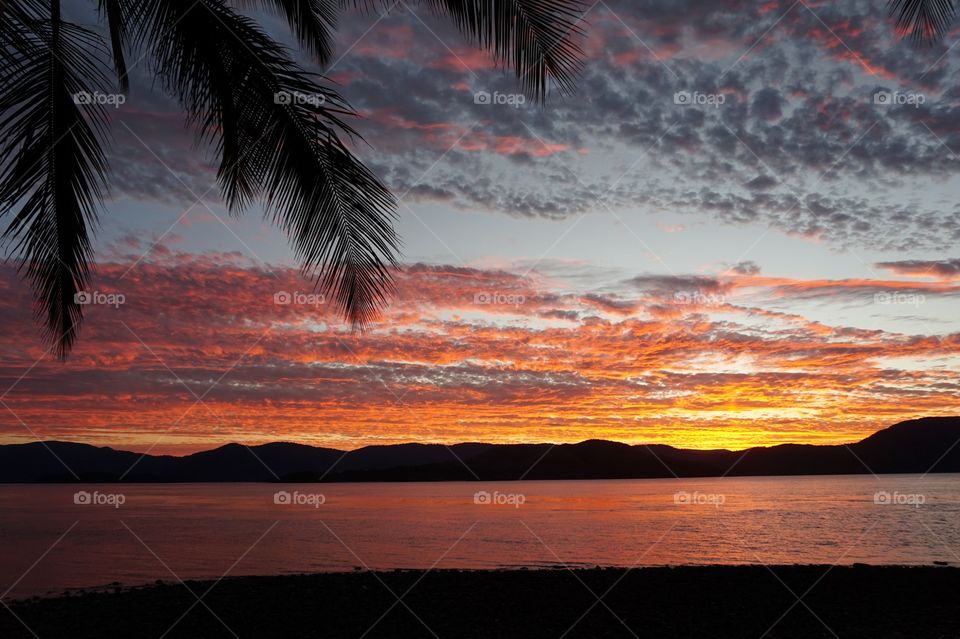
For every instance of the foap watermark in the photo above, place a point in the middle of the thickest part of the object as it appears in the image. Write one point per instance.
(696, 498)
(96, 498)
(295, 97)
(899, 98)
(296, 498)
(84, 98)
(884, 498)
(499, 299)
(699, 298)
(97, 298)
(514, 100)
(285, 298)
(696, 98)
(496, 498)
(899, 299)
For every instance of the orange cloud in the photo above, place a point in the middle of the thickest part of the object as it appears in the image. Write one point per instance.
(462, 354)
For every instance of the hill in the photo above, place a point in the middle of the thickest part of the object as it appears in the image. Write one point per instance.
(931, 444)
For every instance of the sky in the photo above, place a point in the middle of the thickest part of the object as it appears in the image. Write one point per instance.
(739, 230)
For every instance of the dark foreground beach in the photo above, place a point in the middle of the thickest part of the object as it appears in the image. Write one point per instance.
(712, 601)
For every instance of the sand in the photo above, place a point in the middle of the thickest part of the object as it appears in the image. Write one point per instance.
(710, 601)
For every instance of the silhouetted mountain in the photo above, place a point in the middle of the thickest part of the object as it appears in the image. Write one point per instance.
(930, 444)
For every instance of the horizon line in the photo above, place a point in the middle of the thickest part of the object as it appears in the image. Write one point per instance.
(45, 442)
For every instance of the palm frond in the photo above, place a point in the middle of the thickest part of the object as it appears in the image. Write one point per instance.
(923, 20)
(312, 21)
(538, 38)
(16, 30)
(278, 136)
(53, 167)
(117, 13)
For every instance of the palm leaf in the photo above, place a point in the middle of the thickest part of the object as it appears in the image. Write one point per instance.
(923, 20)
(116, 14)
(294, 155)
(312, 21)
(538, 38)
(53, 170)
(277, 133)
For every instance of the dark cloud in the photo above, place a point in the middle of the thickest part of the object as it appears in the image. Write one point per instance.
(767, 105)
(761, 183)
(798, 142)
(944, 269)
(668, 286)
(746, 268)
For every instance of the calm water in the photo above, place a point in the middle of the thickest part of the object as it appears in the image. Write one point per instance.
(208, 530)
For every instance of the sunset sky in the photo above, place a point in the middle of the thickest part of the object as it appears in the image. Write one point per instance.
(777, 263)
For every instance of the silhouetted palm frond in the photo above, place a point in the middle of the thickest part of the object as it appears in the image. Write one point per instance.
(277, 133)
(54, 170)
(312, 21)
(537, 38)
(116, 13)
(923, 20)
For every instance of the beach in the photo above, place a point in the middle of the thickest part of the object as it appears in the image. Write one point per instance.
(689, 601)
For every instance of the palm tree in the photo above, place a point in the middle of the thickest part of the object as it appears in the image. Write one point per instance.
(293, 156)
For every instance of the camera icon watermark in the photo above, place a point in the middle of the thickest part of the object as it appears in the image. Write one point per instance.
(699, 298)
(884, 498)
(696, 498)
(499, 299)
(496, 498)
(85, 98)
(696, 98)
(87, 298)
(899, 98)
(900, 299)
(286, 298)
(96, 498)
(515, 100)
(296, 498)
(295, 97)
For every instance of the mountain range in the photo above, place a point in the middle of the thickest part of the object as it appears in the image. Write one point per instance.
(930, 444)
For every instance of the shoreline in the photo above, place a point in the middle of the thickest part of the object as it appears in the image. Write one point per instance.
(679, 601)
(387, 482)
(118, 588)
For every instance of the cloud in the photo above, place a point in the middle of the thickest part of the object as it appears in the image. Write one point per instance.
(746, 268)
(798, 143)
(761, 183)
(942, 269)
(767, 105)
(513, 356)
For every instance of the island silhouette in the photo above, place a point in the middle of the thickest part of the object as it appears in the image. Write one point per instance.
(926, 445)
